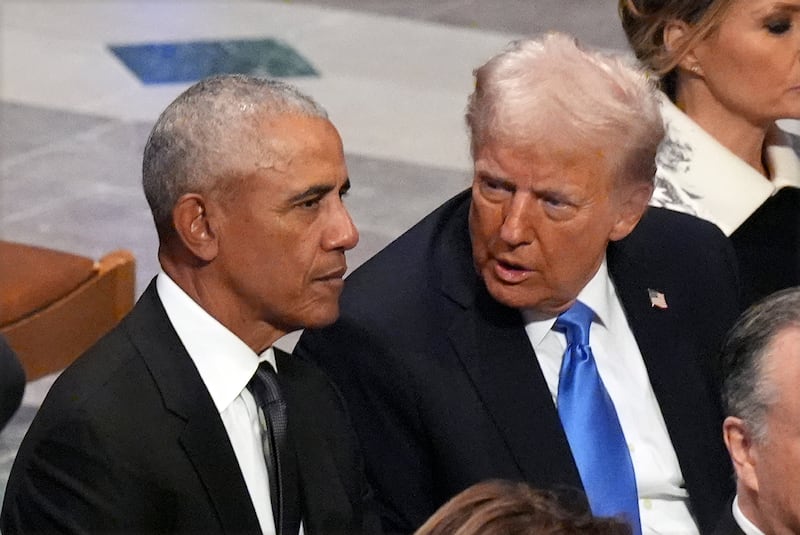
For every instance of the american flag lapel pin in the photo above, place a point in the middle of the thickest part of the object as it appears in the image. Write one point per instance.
(657, 299)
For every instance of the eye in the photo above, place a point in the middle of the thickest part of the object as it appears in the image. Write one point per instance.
(557, 207)
(494, 189)
(553, 201)
(310, 203)
(778, 27)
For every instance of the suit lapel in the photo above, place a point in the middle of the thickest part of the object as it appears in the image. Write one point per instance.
(204, 438)
(665, 340)
(494, 349)
(324, 495)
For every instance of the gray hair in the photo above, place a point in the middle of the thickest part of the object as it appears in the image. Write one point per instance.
(202, 138)
(551, 92)
(746, 392)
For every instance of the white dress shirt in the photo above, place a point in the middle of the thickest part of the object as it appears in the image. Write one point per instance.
(663, 500)
(744, 523)
(225, 364)
(699, 176)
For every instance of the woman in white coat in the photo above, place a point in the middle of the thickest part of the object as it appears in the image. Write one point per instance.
(729, 69)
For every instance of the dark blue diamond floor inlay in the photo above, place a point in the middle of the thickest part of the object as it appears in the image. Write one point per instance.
(161, 63)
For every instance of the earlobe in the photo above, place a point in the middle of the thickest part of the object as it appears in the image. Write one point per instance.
(742, 450)
(195, 226)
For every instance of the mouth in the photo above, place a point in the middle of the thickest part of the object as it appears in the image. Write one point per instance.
(510, 272)
(335, 275)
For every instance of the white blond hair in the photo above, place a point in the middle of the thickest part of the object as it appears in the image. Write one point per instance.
(554, 94)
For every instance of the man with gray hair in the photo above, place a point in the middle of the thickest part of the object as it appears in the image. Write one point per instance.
(761, 398)
(176, 421)
(544, 325)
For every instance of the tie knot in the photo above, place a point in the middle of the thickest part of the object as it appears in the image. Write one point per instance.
(264, 384)
(575, 323)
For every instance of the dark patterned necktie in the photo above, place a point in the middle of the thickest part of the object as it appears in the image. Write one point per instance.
(590, 422)
(278, 454)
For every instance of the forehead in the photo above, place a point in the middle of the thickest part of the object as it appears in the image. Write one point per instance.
(293, 152)
(739, 9)
(783, 366)
(541, 163)
(296, 133)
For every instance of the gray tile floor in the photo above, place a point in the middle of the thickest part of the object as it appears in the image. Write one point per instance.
(69, 180)
(593, 21)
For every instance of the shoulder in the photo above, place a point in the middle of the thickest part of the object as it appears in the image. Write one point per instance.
(409, 275)
(680, 251)
(445, 227)
(110, 387)
(662, 228)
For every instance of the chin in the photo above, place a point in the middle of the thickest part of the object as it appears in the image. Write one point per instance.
(322, 317)
(519, 297)
(510, 296)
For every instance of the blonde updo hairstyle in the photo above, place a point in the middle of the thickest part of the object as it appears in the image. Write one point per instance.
(644, 22)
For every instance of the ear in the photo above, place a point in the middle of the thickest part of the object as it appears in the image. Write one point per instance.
(743, 451)
(195, 226)
(631, 206)
(675, 34)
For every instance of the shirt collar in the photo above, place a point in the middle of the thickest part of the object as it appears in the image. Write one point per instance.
(726, 187)
(744, 523)
(597, 295)
(224, 361)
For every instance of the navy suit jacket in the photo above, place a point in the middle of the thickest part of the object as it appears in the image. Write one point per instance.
(445, 389)
(129, 440)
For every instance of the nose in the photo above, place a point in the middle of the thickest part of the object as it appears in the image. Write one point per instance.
(342, 233)
(517, 226)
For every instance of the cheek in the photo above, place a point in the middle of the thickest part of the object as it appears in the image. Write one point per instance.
(484, 223)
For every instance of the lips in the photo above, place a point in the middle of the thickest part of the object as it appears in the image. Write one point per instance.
(510, 272)
(334, 274)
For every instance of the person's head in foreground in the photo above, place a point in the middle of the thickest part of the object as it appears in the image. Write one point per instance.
(564, 142)
(761, 366)
(245, 178)
(510, 508)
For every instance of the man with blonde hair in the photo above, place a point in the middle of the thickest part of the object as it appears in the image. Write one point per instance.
(545, 326)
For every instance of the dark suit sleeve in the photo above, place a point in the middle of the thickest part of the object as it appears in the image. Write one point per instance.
(69, 482)
(12, 382)
(396, 461)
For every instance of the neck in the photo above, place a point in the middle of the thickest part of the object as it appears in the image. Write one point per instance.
(743, 136)
(204, 290)
(746, 500)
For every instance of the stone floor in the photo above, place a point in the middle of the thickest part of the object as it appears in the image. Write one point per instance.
(394, 75)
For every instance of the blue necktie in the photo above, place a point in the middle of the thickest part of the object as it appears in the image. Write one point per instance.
(590, 422)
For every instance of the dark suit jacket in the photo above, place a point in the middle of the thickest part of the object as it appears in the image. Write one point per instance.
(727, 524)
(767, 245)
(129, 440)
(12, 382)
(444, 387)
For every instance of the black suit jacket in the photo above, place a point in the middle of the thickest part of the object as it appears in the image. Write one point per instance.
(12, 382)
(727, 524)
(767, 245)
(129, 440)
(444, 387)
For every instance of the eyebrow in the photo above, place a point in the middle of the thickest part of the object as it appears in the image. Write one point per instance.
(778, 7)
(319, 191)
